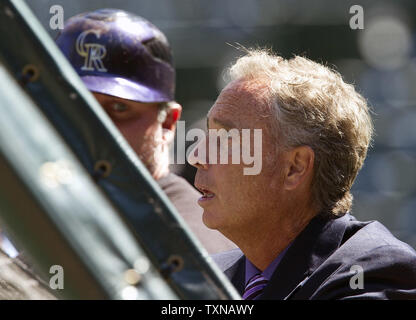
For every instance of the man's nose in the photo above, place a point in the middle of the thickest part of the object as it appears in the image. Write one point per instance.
(197, 157)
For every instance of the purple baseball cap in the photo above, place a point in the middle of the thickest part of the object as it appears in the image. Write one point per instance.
(120, 54)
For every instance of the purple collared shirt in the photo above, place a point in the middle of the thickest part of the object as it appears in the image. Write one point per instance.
(251, 269)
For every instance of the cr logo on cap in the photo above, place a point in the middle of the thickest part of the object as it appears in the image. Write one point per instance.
(92, 52)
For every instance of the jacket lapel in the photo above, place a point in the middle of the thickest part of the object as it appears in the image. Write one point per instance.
(232, 263)
(236, 274)
(309, 250)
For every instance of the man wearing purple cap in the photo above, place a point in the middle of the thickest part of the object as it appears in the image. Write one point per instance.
(126, 62)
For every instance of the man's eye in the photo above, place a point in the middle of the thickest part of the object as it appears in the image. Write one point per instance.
(119, 107)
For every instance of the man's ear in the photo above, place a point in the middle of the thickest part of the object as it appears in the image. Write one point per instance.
(173, 114)
(300, 161)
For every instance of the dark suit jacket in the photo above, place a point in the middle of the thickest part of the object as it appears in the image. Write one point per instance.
(318, 263)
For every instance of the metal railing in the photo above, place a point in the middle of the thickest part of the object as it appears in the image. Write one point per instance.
(123, 185)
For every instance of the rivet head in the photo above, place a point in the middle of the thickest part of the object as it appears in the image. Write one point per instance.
(142, 265)
(30, 72)
(132, 277)
(102, 168)
(56, 173)
(129, 293)
(9, 12)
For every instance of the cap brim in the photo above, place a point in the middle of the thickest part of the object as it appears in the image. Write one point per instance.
(124, 89)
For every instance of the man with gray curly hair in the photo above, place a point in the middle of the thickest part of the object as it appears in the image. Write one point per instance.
(291, 222)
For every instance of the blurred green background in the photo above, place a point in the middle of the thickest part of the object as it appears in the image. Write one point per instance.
(379, 60)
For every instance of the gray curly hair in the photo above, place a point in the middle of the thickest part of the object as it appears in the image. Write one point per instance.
(311, 105)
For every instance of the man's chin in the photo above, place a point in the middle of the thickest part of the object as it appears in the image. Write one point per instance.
(210, 220)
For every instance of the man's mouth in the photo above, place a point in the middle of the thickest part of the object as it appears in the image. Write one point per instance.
(206, 194)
